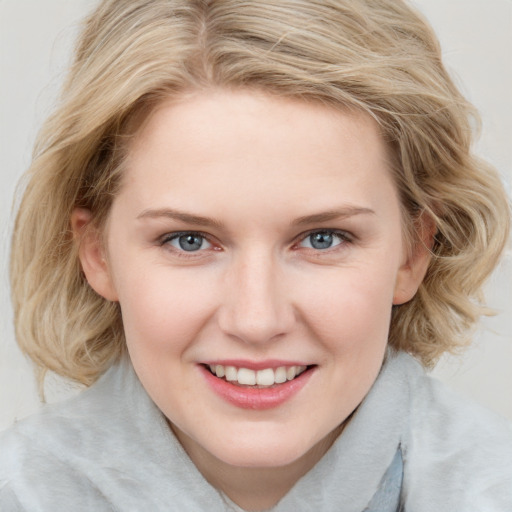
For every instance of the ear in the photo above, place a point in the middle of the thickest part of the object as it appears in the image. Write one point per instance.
(416, 261)
(92, 254)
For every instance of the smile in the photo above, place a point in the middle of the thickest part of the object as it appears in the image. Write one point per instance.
(262, 388)
(264, 378)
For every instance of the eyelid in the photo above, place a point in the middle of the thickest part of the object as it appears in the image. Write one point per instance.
(171, 235)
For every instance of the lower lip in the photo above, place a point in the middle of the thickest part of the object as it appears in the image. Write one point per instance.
(256, 398)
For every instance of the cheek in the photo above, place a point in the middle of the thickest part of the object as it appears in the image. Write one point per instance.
(162, 310)
(351, 308)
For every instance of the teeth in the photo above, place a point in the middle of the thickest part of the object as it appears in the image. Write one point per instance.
(246, 377)
(264, 378)
(291, 372)
(280, 376)
(231, 373)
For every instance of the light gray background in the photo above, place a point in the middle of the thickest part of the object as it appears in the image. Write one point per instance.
(35, 41)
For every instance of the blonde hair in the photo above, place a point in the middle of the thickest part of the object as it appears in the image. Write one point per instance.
(376, 56)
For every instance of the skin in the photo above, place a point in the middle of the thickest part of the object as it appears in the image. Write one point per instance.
(256, 289)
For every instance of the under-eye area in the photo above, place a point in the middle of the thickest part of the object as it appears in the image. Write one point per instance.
(265, 378)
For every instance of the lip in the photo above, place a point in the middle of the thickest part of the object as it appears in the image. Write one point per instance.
(254, 365)
(255, 398)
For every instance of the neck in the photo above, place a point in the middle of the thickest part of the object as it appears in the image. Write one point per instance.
(253, 488)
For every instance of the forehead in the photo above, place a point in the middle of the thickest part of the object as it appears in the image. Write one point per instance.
(216, 118)
(234, 146)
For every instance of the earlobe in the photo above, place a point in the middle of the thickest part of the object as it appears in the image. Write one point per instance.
(92, 254)
(413, 270)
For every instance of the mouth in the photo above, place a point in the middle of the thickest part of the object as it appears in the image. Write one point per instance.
(262, 387)
(257, 379)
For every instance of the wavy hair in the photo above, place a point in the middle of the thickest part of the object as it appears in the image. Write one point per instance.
(376, 56)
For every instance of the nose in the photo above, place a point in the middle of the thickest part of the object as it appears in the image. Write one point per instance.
(256, 307)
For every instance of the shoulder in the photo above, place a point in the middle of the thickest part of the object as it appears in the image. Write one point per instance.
(45, 455)
(62, 430)
(87, 447)
(458, 455)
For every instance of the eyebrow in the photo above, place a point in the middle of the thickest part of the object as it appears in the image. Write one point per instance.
(188, 218)
(199, 220)
(327, 216)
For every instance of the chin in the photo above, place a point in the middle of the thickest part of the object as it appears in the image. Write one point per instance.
(261, 458)
(263, 451)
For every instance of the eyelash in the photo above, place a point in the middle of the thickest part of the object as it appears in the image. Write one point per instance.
(344, 237)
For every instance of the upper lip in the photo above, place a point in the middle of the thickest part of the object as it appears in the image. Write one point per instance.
(255, 365)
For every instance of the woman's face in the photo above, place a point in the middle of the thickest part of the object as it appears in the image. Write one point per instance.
(258, 239)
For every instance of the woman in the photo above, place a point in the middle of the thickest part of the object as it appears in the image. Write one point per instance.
(259, 212)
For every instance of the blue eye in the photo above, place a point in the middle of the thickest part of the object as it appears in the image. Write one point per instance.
(189, 242)
(321, 240)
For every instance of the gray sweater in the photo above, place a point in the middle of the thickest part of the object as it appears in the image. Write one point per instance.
(412, 445)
